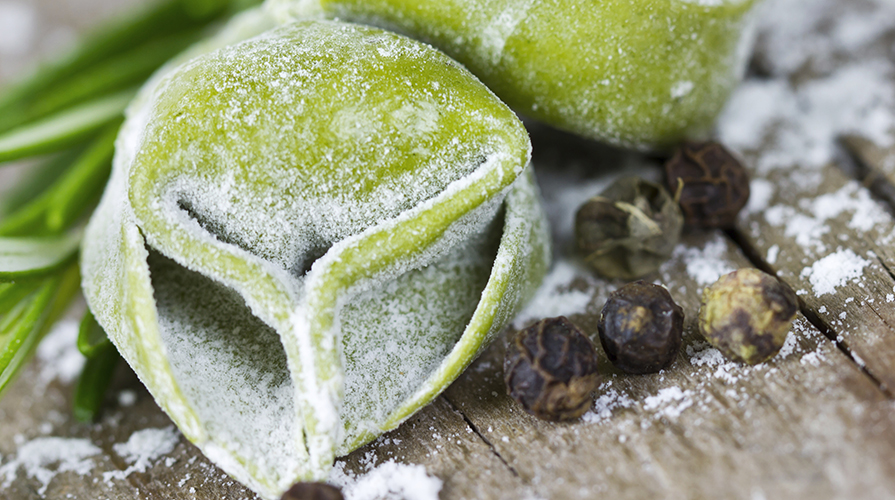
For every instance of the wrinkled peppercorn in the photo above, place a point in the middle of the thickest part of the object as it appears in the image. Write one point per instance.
(551, 369)
(629, 230)
(709, 183)
(312, 491)
(746, 315)
(641, 327)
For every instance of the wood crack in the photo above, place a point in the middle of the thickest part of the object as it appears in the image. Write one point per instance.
(812, 316)
(887, 268)
(481, 436)
(854, 164)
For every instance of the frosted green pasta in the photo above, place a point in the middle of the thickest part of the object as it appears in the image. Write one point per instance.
(307, 236)
(638, 73)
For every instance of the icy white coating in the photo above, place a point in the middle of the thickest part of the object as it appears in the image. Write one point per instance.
(707, 263)
(306, 237)
(388, 480)
(141, 448)
(36, 457)
(834, 270)
(59, 354)
(672, 400)
(640, 73)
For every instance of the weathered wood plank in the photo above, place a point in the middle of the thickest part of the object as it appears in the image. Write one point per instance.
(839, 265)
(807, 424)
(873, 165)
(821, 231)
(439, 438)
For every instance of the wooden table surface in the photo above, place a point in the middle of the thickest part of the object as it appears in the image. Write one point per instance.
(817, 421)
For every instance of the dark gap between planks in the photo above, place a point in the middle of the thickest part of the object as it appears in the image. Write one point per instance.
(871, 178)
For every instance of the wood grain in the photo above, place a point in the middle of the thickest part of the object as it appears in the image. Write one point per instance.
(807, 424)
(817, 421)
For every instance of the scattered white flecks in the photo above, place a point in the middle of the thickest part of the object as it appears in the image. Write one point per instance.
(127, 397)
(18, 25)
(820, 33)
(789, 345)
(681, 89)
(725, 370)
(890, 297)
(608, 401)
(672, 401)
(761, 192)
(773, 252)
(554, 298)
(142, 448)
(813, 358)
(389, 479)
(59, 355)
(705, 265)
(799, 125)
(806, 230)
(703, 355)
(834, 270)
(37, 455)
(866, 213)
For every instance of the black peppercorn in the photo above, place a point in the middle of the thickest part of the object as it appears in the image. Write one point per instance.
(629, 230)
(312, 491)
(747, 314)
(551, 369)
(709, 183)
(641, 327)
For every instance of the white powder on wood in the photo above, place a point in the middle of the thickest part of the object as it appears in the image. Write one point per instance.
(834, 270)
(554, 298)
(389, 481)
(142, 448)
(59, 355)
(36, 457)
(608, 401)
(705, 265)
(670, 402)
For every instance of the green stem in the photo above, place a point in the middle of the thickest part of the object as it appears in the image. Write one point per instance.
(41, 310)
(91, 336)
(36, 181)
(83, 183)
(94, 382)
(166, 18)
(64, 129)
(117, 73)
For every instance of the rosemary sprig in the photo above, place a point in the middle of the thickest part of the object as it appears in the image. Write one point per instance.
(64, 129)
(102, 358)
(71, 110)
(26, 322)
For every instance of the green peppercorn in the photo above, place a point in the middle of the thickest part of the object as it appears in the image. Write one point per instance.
(312, 491)
(551, 370)
(629, 230)
(746, 314)
(641, 327)
(709, 183)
